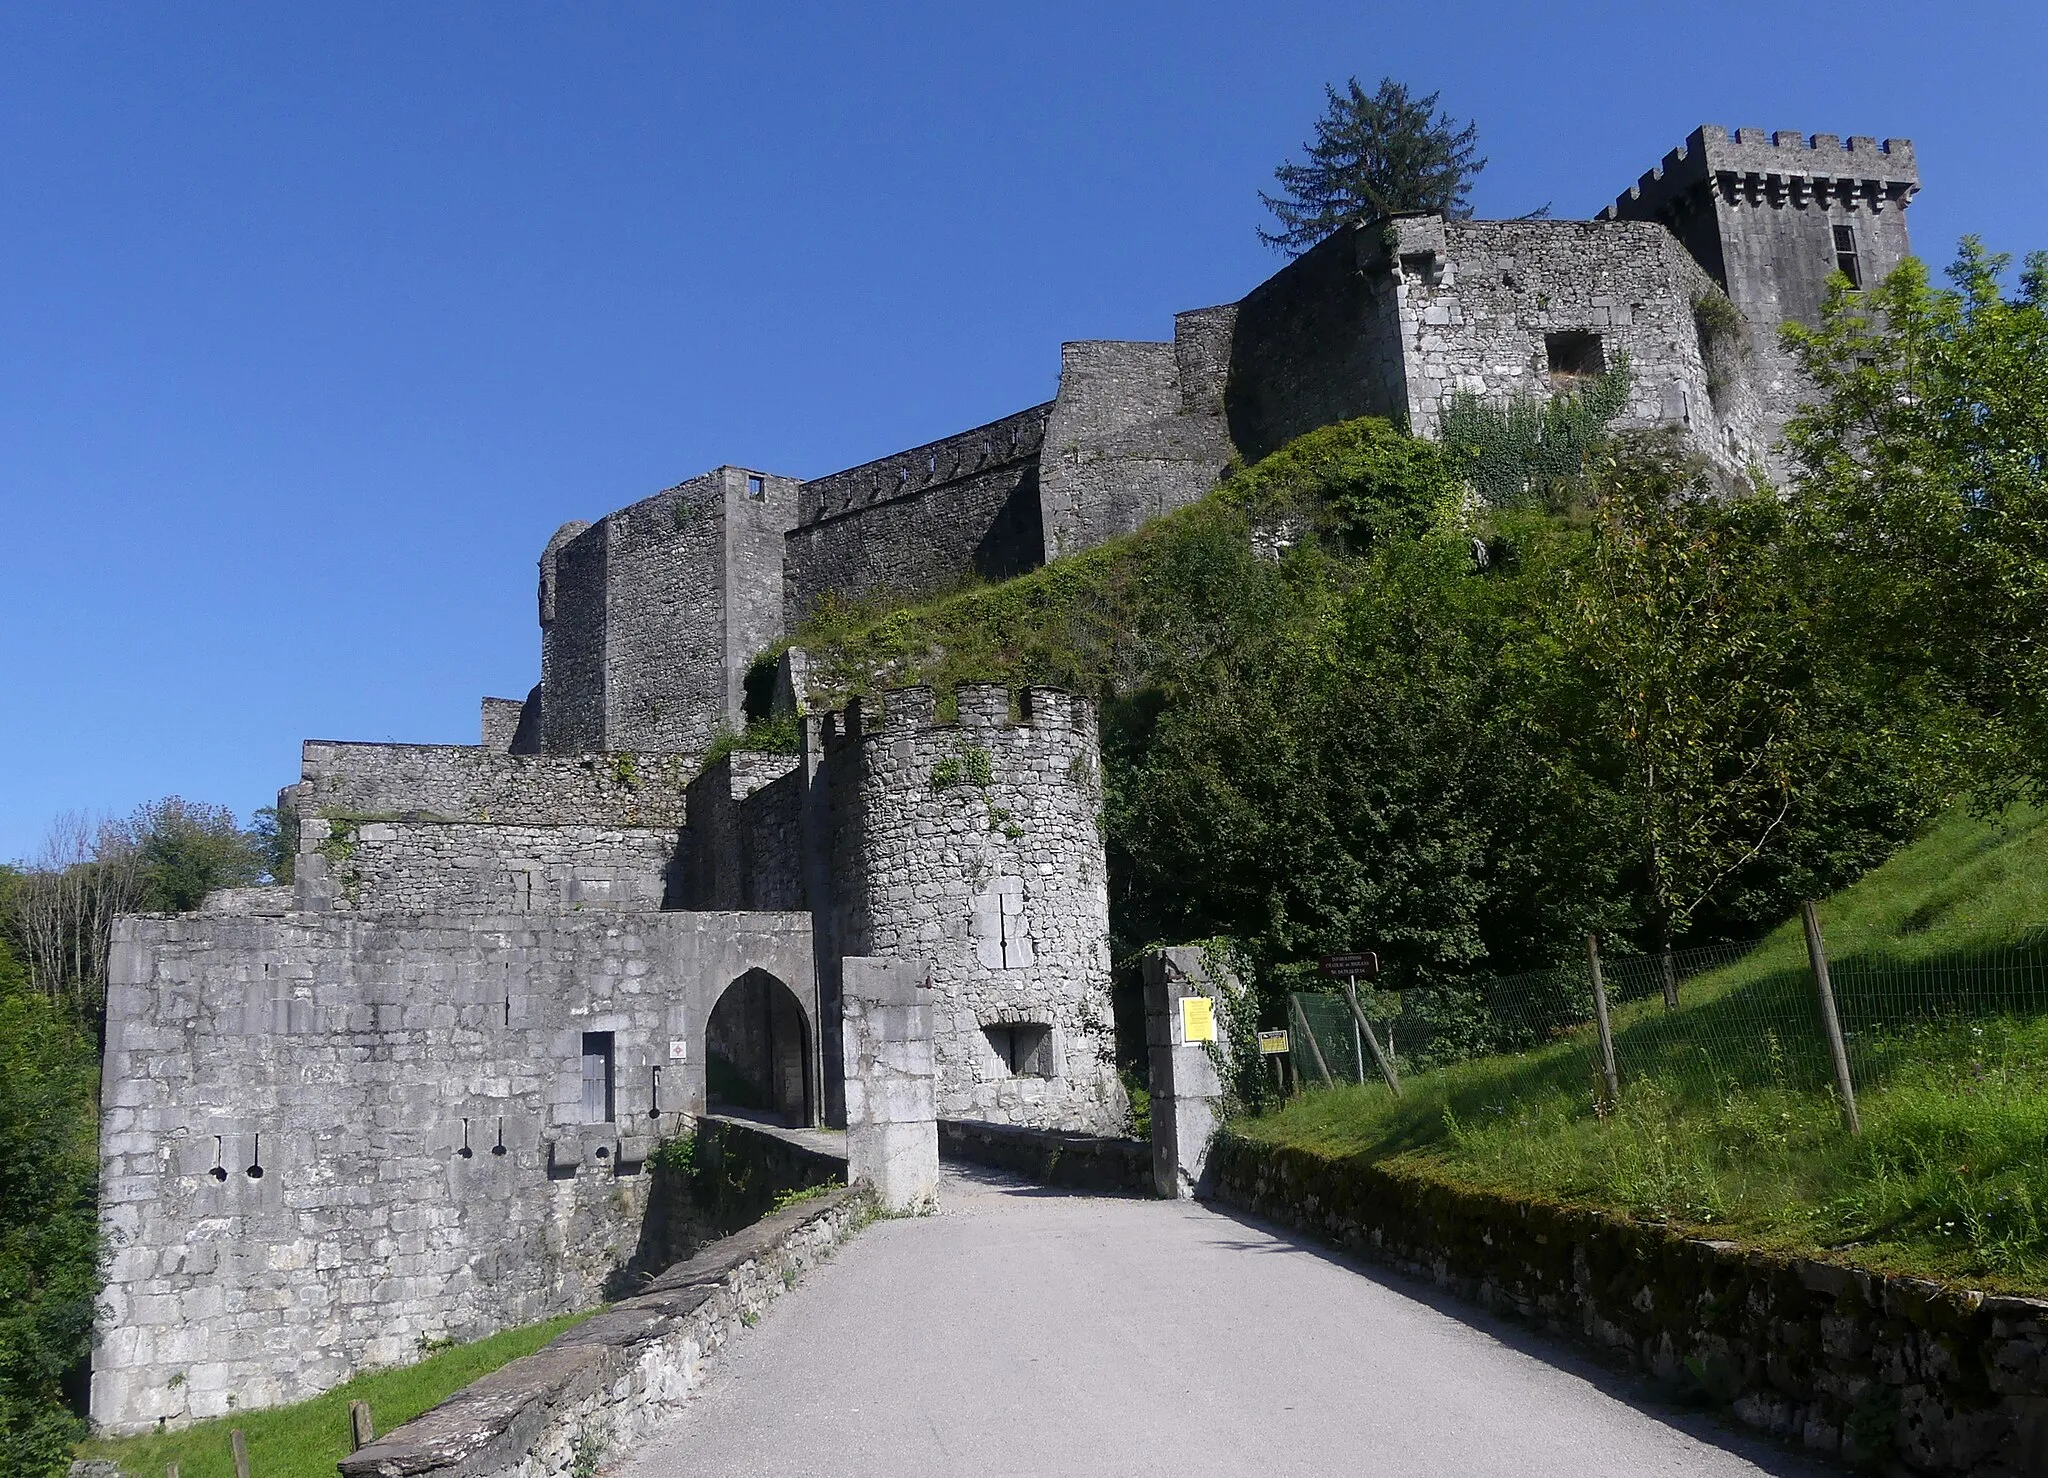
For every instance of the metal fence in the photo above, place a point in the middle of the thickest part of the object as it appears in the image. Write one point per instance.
(1701, 1020)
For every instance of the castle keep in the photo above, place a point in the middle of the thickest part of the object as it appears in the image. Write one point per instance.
(411, 1096)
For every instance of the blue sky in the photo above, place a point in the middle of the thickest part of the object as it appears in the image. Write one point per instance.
(316, 321)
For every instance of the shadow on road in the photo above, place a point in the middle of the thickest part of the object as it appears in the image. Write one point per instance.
(1629, 1386)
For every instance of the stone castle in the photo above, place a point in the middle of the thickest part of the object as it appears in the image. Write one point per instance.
(411, 1096)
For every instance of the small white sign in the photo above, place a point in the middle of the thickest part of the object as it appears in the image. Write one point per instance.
(678, 1049)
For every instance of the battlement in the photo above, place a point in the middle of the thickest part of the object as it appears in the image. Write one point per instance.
(913, 710)
(1001, 443)
(1862, 168)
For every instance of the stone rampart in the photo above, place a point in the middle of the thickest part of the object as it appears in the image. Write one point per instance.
(456, 867)
(1136, 431)
(326, 1138)
(921, 520)
(1494, 313)
(1879, 1370)
(975, 846)
(458, 782)
(1316, 343)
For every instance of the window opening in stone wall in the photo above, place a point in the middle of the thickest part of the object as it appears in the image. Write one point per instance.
(757, 487)
(1575, 354)
(1024, 1047)
(598, 1086)
(1847, 261)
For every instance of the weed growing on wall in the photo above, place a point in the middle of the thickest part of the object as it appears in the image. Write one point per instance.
(973, 765)
(1532, 452)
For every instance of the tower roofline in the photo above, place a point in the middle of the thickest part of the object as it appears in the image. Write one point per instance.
(1884, 171)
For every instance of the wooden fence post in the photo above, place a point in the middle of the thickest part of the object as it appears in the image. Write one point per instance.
(1314, 1047)
(1600, 1016)
(239, 1446)
(1379, 1058)
(1669, 970)
(361, 1430)
(1817, 954)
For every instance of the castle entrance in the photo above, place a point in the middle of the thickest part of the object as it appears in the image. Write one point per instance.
(757, 1052)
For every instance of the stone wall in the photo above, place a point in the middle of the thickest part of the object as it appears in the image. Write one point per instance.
(1759, 212)
(455, 867)
(573, 575)
(975, 846)
(744, 848)
(1137, 431)
(650, 617)
(500, 726)
(1318, 342)
(597, 1390)
(1481, 317)
(453, 782)
(1105, 1164)
(921, 520)
(1393, 318)
(1879, 1370)
(328, 1137)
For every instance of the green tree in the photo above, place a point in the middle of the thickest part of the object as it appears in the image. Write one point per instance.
(187, 849)
(1705, 696)
(1922, 493)
(49, 1234)
(1373, 154)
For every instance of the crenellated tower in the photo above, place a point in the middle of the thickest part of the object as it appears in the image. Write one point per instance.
(975, 846)
(1771, 216)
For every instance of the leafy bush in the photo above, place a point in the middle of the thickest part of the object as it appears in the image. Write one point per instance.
(49, 1232)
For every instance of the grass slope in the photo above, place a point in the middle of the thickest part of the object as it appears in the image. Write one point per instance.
(306, 1440)
(1727, 1119)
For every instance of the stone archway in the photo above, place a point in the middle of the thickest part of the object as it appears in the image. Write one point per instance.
(757, 1052)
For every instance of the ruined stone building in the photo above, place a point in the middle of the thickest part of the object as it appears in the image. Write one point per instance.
(410, 1096)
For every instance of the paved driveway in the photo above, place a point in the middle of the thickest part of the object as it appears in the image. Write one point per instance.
(1034, 1332)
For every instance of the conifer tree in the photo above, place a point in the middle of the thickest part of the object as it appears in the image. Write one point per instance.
(1373, 154)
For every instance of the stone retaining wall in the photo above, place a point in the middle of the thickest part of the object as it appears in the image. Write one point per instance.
(1875, 1369)
(601, 1387)
(1082, 1162)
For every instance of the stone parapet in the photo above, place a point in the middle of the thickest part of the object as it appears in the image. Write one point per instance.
(1101, 1163)
(1881, 1370)
(598, 1388)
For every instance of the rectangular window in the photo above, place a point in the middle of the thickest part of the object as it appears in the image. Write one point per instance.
(757, 487)
(1024, 1047)
(1576, 354)
(1846, 260)
(598, 1066)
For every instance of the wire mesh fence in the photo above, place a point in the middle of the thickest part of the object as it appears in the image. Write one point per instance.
(1699, 1021)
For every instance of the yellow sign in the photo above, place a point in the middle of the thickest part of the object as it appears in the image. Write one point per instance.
(1272, 1044)
(1197, 1019)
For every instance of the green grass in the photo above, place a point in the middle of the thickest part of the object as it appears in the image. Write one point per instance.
(306, 1440)
(1728, 1121)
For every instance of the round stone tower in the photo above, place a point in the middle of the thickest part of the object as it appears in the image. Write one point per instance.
(975, 846)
